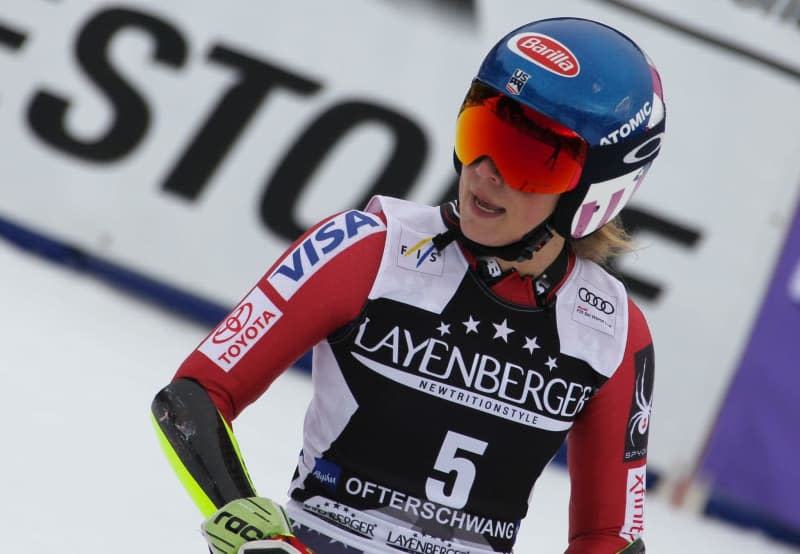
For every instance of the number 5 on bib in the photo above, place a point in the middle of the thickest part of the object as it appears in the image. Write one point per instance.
(448, 462)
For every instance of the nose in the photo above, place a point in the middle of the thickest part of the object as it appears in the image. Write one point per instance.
(487, 171)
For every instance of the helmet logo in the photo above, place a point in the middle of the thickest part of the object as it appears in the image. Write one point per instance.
(629, 126)
(517, 81)
(546, 52)
(648, 149)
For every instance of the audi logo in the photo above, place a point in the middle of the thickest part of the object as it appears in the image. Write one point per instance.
(234, 324)
(595, 301)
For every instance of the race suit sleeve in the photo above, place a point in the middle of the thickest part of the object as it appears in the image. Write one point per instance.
(317, 286)
(607, 453)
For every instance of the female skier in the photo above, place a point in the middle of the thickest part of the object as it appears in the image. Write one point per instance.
(455, 348)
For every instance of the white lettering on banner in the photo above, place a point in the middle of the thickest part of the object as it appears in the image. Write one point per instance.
(794, 284)
(319, 248)
(243, 327)
(634, 504)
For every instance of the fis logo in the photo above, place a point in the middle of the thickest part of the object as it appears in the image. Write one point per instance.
(418, 253)
(319, 248)
(517, 81)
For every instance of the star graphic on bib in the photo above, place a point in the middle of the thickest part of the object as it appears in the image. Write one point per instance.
(502, 330)
(531, 344)
(471, 325)
(551, 363)
(443, 328)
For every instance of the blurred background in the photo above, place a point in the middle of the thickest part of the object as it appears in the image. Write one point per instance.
(158, 156)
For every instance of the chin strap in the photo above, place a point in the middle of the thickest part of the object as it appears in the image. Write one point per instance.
(518, 251)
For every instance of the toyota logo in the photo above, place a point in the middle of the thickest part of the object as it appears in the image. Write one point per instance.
(234, 323)
(596, 301)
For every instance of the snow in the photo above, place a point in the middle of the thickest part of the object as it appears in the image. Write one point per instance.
(82, 470)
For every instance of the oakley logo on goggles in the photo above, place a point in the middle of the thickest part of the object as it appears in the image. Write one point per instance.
(532, 152)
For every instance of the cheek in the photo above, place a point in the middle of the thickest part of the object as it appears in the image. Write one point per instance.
(535, 209)
(462, 188)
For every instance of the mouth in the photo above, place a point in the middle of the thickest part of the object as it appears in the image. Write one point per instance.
(486, 207)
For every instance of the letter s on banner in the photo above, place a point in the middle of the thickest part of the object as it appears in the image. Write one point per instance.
(47, 113)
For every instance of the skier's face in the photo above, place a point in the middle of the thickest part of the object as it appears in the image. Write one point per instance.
(494, 214)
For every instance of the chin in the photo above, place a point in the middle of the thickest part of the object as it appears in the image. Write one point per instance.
(481, 238)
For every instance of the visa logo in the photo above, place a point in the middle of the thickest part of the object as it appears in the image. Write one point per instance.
(319, 248)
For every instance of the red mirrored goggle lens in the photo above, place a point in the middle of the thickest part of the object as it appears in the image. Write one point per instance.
(532, 152)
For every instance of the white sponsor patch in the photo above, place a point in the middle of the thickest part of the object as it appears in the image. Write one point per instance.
(243, 327)
(319, 248)
(418, 253)
(634, 504)
(595, 308)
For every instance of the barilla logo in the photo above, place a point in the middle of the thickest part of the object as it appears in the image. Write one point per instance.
(244, 326)
(546, 52)
(320, 247)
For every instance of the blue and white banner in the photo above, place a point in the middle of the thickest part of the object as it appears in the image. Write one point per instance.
(189, 143)
(751, 459)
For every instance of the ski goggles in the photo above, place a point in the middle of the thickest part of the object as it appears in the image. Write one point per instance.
(532, 152)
